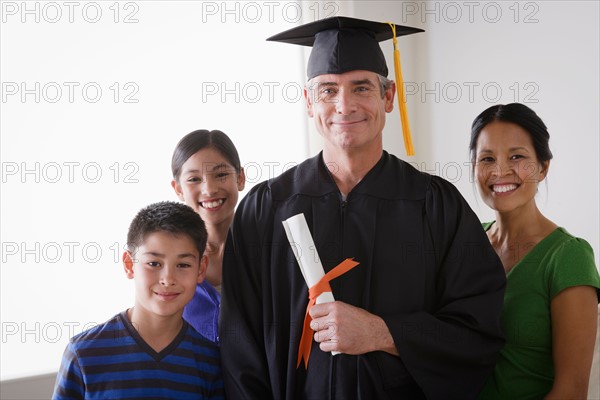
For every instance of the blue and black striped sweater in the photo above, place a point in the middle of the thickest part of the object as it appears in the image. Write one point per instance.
(112, 361)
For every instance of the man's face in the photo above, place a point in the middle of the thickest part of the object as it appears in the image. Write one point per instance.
(349, 110)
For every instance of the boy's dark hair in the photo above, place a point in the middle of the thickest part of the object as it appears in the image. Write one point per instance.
(167, 216)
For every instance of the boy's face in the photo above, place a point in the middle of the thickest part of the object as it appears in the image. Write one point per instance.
(166, 269)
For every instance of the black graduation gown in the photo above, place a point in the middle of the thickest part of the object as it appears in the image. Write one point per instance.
(426, 267)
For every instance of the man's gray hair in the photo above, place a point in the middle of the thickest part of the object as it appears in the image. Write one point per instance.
(384, 84)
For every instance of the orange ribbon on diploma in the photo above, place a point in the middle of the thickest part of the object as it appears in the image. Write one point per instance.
(319, 291)
(322, 286)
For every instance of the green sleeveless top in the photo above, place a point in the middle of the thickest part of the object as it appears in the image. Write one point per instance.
(525, 369)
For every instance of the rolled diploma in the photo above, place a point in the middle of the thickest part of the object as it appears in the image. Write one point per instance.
(306, 254)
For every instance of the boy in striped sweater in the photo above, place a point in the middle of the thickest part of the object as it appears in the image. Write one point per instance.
(149, 350)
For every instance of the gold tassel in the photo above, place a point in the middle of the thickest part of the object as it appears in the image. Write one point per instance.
(408, 144)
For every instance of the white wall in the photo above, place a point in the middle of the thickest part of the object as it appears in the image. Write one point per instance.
(179, 66)
(192, 65)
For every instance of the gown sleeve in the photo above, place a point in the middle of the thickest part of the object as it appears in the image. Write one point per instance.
(245, 368)
(451, 351)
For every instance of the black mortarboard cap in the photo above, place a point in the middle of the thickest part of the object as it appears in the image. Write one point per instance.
(342, 44)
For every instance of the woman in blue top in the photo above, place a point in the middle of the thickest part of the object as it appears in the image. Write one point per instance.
(207, 176)
(551, 297)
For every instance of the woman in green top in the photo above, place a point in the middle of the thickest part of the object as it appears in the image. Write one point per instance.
(552, 293)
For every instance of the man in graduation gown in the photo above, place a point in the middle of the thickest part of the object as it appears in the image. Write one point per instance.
(419, 316)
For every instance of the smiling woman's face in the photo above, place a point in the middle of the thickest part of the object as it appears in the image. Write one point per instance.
(506, 166)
